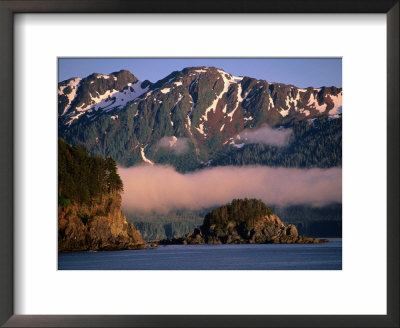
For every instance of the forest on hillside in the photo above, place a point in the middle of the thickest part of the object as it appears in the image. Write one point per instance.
(83, 178)
(313, 144)
(316, 143)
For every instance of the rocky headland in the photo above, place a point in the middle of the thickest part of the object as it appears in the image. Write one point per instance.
(247, 221)
(89, 204)
(101, 226)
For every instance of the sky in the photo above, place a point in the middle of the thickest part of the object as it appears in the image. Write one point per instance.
(301, 72)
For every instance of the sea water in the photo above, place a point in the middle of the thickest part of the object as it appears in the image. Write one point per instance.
(326, 256)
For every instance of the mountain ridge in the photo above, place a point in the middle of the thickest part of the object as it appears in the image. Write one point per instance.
(309, 98)
(117, 115)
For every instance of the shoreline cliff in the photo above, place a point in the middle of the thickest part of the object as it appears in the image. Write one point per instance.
(101, 226)
(89, 204)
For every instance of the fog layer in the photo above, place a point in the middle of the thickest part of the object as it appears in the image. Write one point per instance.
(161, 188)
(266, 135)
(174, 144)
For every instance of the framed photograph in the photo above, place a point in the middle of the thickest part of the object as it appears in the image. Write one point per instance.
(209, 165)
(222, 171)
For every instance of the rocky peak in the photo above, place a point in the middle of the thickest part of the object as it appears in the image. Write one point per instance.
(78, 97)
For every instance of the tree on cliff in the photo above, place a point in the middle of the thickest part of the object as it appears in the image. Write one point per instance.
(83, 178)
(242, 211)
(112, 179)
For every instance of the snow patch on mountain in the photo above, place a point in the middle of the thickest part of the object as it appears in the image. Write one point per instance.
(73, 84)
(337, 105)
(214, 104)
(201, 129)
(180, 97)
(239, 100)
(111, 99)
(237, 78)
(165, 90)
(144, 158)
(292, 101)
(271, 102)
(313, 102)
(75, 117)
(106, 77)
(284, 112)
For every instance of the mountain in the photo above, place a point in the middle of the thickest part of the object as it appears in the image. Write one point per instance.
(243, 221)
(198, 112)
(97, 93)
(89, 204)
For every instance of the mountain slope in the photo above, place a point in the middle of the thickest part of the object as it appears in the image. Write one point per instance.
(203, 107)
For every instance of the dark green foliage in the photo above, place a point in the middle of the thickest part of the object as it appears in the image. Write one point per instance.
(298, 212)
(156, 226)
(242, 212)
(160, 230)
(100, 213)
(325, 221)
(62, 102)
(203, 92)
(63, 201)
(184, 162)
(319, 228)
(317, 144)
(83, 178)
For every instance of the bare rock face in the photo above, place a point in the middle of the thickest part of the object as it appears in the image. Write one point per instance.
(102, 226)
(291, 230)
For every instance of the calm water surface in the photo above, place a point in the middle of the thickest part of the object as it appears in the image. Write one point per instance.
(326, 256)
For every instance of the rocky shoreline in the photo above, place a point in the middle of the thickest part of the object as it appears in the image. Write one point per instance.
(268, 229)
(102, 227)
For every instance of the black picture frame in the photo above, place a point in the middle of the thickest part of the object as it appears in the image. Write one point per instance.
(10, 7)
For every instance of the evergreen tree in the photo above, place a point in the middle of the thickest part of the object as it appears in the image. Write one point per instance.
(82, 178)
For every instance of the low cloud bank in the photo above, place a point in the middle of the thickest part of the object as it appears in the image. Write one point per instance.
(174, 144)
(266, 135)
(161, 188)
